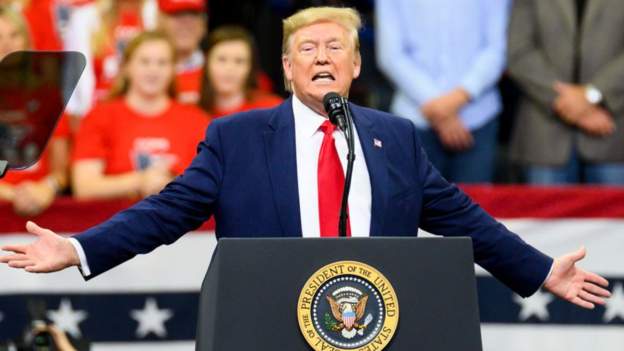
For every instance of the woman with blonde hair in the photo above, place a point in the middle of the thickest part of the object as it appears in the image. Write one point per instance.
(100, 30)
(229, 81)
(32, 190)
(134, 143)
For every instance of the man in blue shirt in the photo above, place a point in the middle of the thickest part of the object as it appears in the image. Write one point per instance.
(445, 58)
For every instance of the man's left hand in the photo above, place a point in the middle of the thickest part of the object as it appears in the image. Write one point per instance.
(445, 106)
(571, 103)
(574, 284)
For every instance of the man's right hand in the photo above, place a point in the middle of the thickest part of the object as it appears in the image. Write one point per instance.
(598, 122)
(49, 253)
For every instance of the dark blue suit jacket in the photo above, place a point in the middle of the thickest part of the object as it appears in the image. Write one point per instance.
(245, 174)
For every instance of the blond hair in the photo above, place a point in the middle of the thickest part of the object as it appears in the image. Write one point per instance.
(108, 12)
(16, 19)
(121, 85)
(346, 17)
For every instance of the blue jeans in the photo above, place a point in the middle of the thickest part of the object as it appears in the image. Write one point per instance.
(577, 171)
(475, 165)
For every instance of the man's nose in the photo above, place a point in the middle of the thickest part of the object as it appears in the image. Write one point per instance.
(322, 57)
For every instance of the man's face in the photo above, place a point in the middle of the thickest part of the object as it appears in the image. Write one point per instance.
(321, 59)
(186, 29)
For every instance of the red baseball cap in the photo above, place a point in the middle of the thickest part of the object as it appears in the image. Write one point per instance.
(173, 6)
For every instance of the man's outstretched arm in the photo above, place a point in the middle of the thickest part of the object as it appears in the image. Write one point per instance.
(182, 206)
(448, 211)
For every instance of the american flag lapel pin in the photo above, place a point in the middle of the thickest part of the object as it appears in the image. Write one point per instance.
(377, 143)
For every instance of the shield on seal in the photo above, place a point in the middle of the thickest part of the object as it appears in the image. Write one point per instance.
(348, 317)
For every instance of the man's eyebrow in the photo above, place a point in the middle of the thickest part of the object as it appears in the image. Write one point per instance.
(307, 41)
(314, 41)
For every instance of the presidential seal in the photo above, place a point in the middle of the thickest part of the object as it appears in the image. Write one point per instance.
(348, 305)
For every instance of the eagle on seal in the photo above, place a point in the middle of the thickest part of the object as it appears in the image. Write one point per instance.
(348, 315)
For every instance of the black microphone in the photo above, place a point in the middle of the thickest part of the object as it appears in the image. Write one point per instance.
(335, 109)
(338, 111)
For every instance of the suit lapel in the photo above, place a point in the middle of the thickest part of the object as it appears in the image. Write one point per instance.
(372, 139)
(590, 13)
(569, 13)
(279, 144)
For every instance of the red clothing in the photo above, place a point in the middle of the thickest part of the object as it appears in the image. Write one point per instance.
(188, 85)
(265, 83)
(128, 141)
(258, 100)
(107, 61)
(43, 23)
(40, 169)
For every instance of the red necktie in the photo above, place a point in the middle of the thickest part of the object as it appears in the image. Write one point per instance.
(330, 183)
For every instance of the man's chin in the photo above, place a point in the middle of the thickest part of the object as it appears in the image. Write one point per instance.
(320, 92)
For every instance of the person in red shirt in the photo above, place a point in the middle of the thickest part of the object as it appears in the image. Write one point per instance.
(134, 144)
(229, 83)
(100, 29)
(185, 22)
(34, 189)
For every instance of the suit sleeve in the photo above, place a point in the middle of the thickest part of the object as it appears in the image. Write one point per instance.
(393, 59)
(527, 65)
(450, 212)
(610, 81)
(183, 205)
(488, 66)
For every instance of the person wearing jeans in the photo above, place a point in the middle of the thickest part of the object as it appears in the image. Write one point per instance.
(445, 58)
(567, 57)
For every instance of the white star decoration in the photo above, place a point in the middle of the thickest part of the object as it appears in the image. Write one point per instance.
(534, 305)
(615, 304)
(151, 319)
(67, 319)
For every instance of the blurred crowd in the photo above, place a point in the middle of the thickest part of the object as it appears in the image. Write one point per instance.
(158, 71)
(148, 93)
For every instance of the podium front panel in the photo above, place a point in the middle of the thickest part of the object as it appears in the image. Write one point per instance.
(250, 294)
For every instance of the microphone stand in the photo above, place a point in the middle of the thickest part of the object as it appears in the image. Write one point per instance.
(344, 216)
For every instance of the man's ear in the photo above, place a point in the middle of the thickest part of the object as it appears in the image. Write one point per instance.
(357, 65)
(287, 67)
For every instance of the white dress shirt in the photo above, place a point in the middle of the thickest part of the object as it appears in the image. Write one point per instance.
(308, 140)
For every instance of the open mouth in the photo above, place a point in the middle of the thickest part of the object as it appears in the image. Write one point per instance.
(323, 76)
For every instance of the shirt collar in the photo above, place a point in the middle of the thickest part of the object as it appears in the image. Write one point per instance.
(307, 122)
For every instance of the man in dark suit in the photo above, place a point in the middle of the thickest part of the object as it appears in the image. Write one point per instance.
(278, 172)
